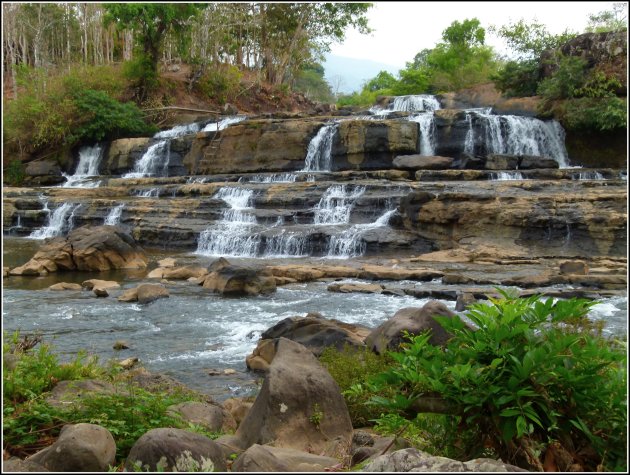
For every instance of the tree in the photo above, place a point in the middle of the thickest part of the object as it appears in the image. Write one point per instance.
(615, 19)
(529, 40)
(383, 80)
(151, 23)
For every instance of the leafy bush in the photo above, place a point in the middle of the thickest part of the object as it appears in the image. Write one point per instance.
(564, 83)
(221, 83)
(533, 374)
(605, 113)
(14, 173)
(518, 79)
(349, 367)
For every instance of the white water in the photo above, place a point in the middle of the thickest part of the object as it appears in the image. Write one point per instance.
(336, 204)
(223, 123)
(516, 135)
(154, 159)
(232, 235)
(413, 103)
(273, 178)
(349, 243)
(113, 218)
(151, 193)
(318, 156)
(427, 132)
(587, 176)
(178, 131)
(504, 176)
(59, 222)
(89, 161)
(287, 244)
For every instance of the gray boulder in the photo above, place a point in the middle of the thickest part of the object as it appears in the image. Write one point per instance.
(263, 458)
(212, 417)
(175, 450)
(390, 334)
(79, 448)
(423, 162)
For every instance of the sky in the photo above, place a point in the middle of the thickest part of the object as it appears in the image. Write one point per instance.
(402, 29)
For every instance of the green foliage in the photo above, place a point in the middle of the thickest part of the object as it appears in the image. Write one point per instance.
(141, 74)
(615, 19)
(30, 422)
(529, 39)
(605, 113)
(350, 367)
(566, 81)
(518, 79)
(383, 80)
(532, 372)
(14, 173)
(221, 83)
(310, 81)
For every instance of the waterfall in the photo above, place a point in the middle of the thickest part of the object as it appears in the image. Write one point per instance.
(587, 176)
(349, 243)
(503, 176)
(232, 236)
(517, 135)
(336, 204)
(427, 132)
(89, 161)
(113, 218)
(287, 244)
(273, 178)
(60, 221)
(223, 123)
(154, 159)
(414, 103)
(151, 193)
(178, 131)
(318, 156)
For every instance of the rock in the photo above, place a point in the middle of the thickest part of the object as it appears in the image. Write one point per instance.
(147, 293)
(236, 281)
(65, 286)
(422, 162)
(229, 109)
(299, 405)
(121, 345)
(414, 320)
(68, 393)
(168, 262)
(5, 272)
(238, 407)
(129, 295)
(128, 363)
(414, 460)
(313, 331)
(156, 273)
(574, 267)
(15, 464)
(100, 292)
(92, 284)
(88, 248)
(122, 154)
(496, 161)
(264, 458)
(527, 162)
(184, 273)
(213, 418)
(79, 448)
(359, 288)
(464, 299)
(43, 173)
(170, 449)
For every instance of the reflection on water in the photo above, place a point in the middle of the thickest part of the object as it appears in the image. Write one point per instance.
(192, 331)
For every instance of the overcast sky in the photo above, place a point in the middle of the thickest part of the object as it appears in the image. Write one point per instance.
(402, 29)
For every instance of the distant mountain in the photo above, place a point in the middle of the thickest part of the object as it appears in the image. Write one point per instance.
(353, 72)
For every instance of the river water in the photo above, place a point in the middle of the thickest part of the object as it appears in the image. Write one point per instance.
(193, 331)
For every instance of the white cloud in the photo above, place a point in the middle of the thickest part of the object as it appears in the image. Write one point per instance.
(402, 29)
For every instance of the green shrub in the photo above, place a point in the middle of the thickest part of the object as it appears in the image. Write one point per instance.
(566, 81)
(221, 83)
(14, 173)
(518, 79)
(597, 113)
(350, 367)
(533, 374)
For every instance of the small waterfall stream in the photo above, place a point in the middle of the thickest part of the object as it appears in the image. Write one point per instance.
(318, 156)
(411, 103)
(427, 133)
(506, 176)
(113, 218)
(60, 221)
(336, 204)
(87, 168)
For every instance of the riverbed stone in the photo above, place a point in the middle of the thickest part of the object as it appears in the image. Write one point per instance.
(346, 288)
(92, 284)
(65, 286)
(79, 448)
(15, 464)
(147, 293)
(210, 416)
(184, 273)
(412, 320)
(299, 405)
(168, 449)
(236, 281)
(265, 458)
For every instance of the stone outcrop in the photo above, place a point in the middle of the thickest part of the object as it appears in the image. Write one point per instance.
(236, 281)
(79, 448)
(212, 417)
(175, 450)
(43, 173)
(86, 248)
(422, 162)
(265, 458)
(299, 406)
(411, 320)
(144, 293)
(122, 154)
(414, 460)
(312, 331)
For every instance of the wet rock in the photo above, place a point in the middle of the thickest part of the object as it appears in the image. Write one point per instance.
(147, 293)
(412, 320)
(100, 292)
(175, 449)
(65, 286)
(121, 345)
(353, 287)
(79, 448)
(236, 281)
(501, 162)
(92, 284)
(422, 162)
(574, 267)
(185, 272)
(464, 299)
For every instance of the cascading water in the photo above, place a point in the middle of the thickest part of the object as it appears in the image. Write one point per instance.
(89, 161)
(319, 153)
(516, 135)
(113, 218)
(587, 176)
(232, 235)
(427, 132)
(178, 131)
(413, 103)
(349, 243)
(154, 159)
(273, 178)
(506, 176)
(223, 123)
(287, 244)
(60, 221)
(336, 204)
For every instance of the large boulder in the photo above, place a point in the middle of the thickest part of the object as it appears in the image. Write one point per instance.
(210, 416)
(414, 460)
(175, 450)
(43, 173)
(413, 320)
(79, 448)
(237, 281)
(313, 331)
(422, 162)
(299, 406)
(88, 248)
(264, 458)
